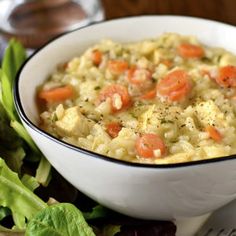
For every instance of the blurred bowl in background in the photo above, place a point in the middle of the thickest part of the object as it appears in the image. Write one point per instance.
(36, 22)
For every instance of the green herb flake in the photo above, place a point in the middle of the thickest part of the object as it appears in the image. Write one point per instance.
(97, 88)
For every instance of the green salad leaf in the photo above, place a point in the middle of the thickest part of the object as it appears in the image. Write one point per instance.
(22, 202)
(62, 219)
(8, 137)
(111, 230)
(10, 143)
(14, 57)
(30, 182)
(6, 96)
(11, 232)
(21, 131)
(4, 211)
(13, 158)
(97, 212)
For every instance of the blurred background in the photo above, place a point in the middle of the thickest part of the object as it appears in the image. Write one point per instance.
(34, 22)
(221, 10)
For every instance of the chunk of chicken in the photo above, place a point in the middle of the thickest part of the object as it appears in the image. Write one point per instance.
(209, 114)
(73, 123)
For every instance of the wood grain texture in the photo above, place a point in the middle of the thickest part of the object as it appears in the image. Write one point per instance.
(221, 10)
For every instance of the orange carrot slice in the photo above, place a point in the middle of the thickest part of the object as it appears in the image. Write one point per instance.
(110, 91)
(175, 86)
(96, 57)
(117, 67)
(214, 133)
(113, 129)
(227, 76)
(147, 144)
(187, 50)
(57, 94)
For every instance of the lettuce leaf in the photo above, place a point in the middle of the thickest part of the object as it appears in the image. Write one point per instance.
(97, 212)
(8, 137)
(111, 230)
(4, 211)
(11, 232)
(57, 220)
(13, 158)
(22, 202)
(21, 131)
(14, 57)
(10, 143)
(30, 182)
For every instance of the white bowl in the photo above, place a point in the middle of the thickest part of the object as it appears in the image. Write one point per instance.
(143, 191)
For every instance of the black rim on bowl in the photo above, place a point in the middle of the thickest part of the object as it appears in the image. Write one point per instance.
(24, 117)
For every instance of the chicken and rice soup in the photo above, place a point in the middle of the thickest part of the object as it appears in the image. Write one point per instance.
(165, 100)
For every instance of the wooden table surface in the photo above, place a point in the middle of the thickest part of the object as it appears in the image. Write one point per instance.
(220, 10)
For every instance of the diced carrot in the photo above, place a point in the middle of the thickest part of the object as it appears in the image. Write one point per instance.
(96, 57)
(175, 86)
(113, 129)
(168, 63)
(57, 94)
(138, 76)
(214, 133)
(187, 50)
(147, 144)
(117, 67)
(227, 76)
(149, 95)
(115, 89)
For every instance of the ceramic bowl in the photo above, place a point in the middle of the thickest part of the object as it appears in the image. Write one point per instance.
(143, 191)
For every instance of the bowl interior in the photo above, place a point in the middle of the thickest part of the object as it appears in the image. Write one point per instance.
(44, 61)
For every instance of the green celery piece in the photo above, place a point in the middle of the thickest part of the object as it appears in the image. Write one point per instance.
(111, 230)
(23, 203)
(62, 219)
(43, 172)
(30, 182)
